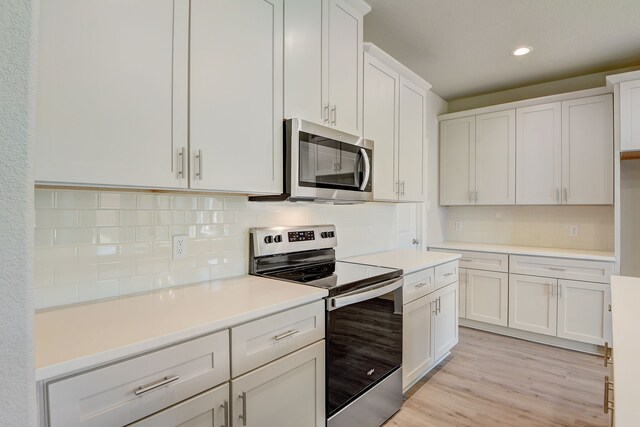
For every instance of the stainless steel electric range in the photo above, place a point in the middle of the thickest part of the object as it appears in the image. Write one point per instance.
(363, 319)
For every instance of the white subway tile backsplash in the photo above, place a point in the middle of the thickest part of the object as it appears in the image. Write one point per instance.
(76, 199)
(100, 244)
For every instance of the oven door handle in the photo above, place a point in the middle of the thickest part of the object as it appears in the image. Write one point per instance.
(363, 295)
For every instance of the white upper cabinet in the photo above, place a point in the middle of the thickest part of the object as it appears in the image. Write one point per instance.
(458, 161)
(381, 98)
(236, 94)
(539, 159)
(411, 149)
(587, 151)
(395, 119)
(496, 158)
(112, 93)
(477, 159)
(323, 62)
(630, 115)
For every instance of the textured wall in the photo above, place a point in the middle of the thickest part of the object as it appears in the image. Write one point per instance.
(100, 244)
(17, 384)
(546, 226)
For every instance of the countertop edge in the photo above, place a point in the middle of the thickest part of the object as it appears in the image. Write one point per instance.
(445, 257)
(92, 361)
(522, 250)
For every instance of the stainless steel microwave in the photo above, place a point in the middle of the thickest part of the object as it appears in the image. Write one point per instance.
(325, 165)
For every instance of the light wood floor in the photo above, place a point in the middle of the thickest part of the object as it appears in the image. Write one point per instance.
(492, 380)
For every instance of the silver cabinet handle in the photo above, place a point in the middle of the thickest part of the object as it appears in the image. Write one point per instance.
(181, 160)
(447, 274)
(333, 115)
(243, 416)
(225, 407)
(439, 305)
(398, 187)
(147, 388)
(325, 113)
(367, 169)
(402, 186)
(566, 195)
(608, 387)
(198, 172)
(286, 334)
(421, 285)
(557, 269)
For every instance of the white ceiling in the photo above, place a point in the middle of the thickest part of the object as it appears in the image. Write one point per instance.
(462, 47)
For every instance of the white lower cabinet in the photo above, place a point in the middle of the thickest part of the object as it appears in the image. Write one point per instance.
(429, 331)
(487, 296)
(583, 311)
(533, 303)
(210, 408)
(289, 392)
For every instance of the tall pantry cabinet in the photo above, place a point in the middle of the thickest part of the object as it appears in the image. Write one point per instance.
(161, 94)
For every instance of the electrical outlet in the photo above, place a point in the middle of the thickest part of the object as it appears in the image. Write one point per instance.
(574, 230)
(458, 226)
(179, 246)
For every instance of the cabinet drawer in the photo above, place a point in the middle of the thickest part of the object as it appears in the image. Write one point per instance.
(107, 396)
(417, 285)
(482, 260)
(261, 341)
(446, 273)
(560, 268)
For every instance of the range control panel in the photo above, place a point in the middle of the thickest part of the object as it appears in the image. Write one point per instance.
(277, 240)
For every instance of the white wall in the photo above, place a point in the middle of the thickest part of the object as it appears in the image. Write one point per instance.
(17, 384)
(100, 244)
(435, 215)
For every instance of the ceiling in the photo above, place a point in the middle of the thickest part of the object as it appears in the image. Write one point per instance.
(462, 47)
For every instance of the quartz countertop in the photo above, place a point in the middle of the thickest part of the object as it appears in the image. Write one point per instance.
(82, 336)
(409, 260)
(527, 250)
(625, 294)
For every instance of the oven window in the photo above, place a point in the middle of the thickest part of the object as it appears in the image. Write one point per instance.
(326, 163)
(364, 345)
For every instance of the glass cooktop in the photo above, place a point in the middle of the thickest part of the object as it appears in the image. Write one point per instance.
(334, 275)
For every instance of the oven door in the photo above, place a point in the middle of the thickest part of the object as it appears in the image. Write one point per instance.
(364, 342)
(327, 164)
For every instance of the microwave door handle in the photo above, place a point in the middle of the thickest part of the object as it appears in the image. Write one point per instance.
(367, 169)
(367, 294)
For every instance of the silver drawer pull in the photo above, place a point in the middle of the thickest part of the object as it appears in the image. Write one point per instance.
(146, 388)
(243, 416)
(286, 334)
(557, 269)
(447, 274)
(225, 406)
(420, 285)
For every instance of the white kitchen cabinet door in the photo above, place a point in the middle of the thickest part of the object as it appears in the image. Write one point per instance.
(539, 159)
(445, 320)
(533, 304)
(209, 409)
(289, 392)
(236, 114)
(496, 158)
(630, 115)
(112, 83)
(462, 293)
(457, 161)
(303, 61)
(411, 137)
(345, 67)
(487, 296)
(417, 339)
(587, 150)
(583, 311)
(381, 97)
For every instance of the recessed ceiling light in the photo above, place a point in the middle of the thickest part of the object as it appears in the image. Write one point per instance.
(521, 51)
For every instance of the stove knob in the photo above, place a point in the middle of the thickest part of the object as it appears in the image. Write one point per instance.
(277, 238)
(331, 234)
(324, 234)
(268, 239)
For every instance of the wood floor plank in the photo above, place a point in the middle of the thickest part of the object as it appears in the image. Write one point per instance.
(492, 380)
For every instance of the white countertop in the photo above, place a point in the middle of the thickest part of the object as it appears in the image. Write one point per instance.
(527, 250)
(409, 260)
(82, 336)
(625, 295)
